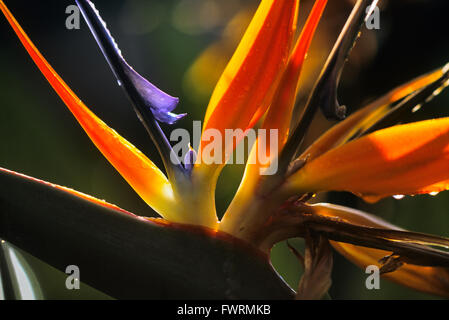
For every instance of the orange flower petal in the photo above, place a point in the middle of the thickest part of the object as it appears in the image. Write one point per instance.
(278, 117)
(405, 159)
(143, 176)
(427, 279)
(247, 85)
(280, 113)
(367, 116)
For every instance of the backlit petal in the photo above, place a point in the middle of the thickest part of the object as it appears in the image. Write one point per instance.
(404, 159)
(278, 117)
(143, 176)
(367, 116)
(247, 85)
(280, 113)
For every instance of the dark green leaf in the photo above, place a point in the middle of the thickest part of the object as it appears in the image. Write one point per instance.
(128, 257)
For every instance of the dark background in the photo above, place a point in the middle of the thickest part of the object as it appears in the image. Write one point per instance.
(161, 40)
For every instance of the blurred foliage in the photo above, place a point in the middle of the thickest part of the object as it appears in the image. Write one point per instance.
(162, 40)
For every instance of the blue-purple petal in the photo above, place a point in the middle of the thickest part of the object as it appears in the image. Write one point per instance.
(157, 101)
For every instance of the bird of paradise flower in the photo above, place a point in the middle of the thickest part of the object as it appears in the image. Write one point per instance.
(365, 153)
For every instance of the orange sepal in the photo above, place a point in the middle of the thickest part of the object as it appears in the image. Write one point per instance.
(247, 85)
(143, 176)
(280, 113)
(367, 116)
(405, 159)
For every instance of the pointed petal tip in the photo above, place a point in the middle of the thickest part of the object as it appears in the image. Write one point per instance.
(280, 112)
(139, 171)
(156, 100)
(167, 117)
(245, 90)
(405, 159)
(361, 121)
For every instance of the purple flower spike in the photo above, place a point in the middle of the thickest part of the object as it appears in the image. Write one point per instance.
(160, 103)
(141, 91)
